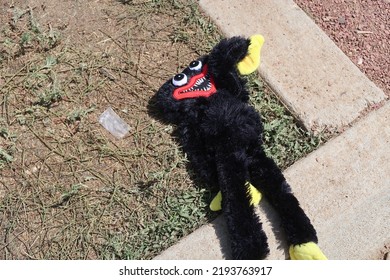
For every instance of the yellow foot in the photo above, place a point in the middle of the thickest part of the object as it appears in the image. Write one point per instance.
(306, 251)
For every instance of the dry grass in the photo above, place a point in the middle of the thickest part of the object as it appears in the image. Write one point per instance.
(68, 189)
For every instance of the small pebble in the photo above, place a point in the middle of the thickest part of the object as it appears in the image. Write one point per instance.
(342, 20)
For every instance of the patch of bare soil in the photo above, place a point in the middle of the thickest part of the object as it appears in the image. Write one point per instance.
(361, 29)
(68, 188)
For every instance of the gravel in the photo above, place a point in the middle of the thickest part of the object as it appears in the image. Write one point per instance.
(361, 29)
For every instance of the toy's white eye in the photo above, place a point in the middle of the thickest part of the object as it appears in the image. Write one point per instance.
(179, 80)
(196, 65)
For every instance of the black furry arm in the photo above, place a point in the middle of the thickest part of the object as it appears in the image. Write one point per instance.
(225, 56)
(223, 61)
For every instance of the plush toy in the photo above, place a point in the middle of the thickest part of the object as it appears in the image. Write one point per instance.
(222, 137)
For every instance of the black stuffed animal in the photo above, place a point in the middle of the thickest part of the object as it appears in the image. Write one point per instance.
(222, 137)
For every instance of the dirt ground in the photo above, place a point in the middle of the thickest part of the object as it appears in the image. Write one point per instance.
(69, 189)
(361, 29)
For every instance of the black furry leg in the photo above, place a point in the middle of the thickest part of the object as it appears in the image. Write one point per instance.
(268, 178)
(248, 240)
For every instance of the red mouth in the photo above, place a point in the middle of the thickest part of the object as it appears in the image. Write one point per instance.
(201, 85)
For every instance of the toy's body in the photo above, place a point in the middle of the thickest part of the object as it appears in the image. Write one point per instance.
(222, 137)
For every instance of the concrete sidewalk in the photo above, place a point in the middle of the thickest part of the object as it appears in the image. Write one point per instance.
(344, 186)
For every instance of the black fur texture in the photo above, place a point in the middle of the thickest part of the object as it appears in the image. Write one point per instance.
(222, 137)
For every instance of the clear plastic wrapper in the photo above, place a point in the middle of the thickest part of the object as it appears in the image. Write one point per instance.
(113, 123)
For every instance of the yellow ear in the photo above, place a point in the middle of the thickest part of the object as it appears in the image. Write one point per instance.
(306, 251)
(251, 62)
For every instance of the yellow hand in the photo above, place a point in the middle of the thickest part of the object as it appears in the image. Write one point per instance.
(306, 251)
(254, 194)
(216, 203)
(252, 61)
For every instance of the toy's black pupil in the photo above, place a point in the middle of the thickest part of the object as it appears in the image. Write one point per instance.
(194, 64)
(179, 77)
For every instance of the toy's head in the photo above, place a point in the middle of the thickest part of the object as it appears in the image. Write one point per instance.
(184, 90)
(209, 75)
(194, 81)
